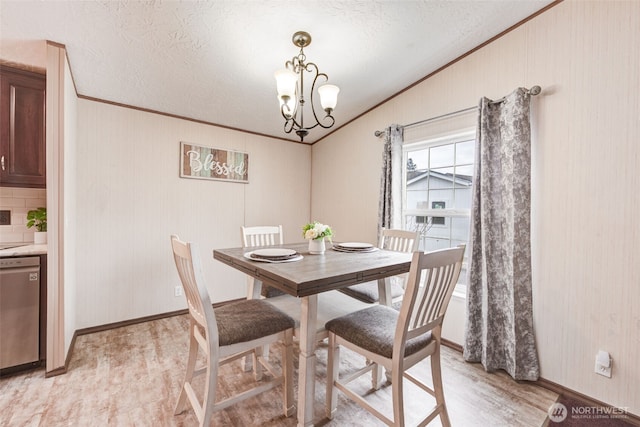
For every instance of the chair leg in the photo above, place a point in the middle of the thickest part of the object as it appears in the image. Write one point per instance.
(209, 398)
(376, 375)
(252, 293)
(247, 363)
(436, 374)
(387, 375)
(397, 392)
(257, 366)
(333, 369)
(287, 371)
(191, 366)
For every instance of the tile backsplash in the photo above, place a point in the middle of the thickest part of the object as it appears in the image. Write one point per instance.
(19, 201)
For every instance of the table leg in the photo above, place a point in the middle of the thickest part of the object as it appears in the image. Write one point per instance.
(384, 292)
(307, 360)
(254, 288)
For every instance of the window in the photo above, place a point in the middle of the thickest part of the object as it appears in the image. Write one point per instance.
(437, 189)
(438, 220)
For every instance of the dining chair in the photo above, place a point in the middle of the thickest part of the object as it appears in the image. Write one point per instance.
(255, 236)
(393, 240)
(398, 340)
(262, 235)
(226, 334)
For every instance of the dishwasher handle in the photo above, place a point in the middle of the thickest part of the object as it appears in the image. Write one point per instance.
(19, 262)
(34, 273)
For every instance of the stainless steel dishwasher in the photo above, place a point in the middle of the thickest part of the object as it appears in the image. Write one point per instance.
(19, 311)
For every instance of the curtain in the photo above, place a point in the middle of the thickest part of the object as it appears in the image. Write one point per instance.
(389, 209)
(499, 331)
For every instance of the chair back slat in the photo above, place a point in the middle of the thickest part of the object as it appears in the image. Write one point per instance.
(262, 236)
(438, 289)
(189, 269)
(432, 279)
(398, 240)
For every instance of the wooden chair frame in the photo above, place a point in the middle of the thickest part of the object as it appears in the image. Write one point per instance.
(422, 311)
(255, 236)
(203, 333)
(261, 235)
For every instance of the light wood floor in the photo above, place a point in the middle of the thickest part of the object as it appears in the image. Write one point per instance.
(131, 376)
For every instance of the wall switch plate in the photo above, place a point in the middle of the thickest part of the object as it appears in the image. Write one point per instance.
(5, 217)
(178, 291)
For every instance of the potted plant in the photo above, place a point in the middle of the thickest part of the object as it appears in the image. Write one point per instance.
(38, 218)
(316, 232)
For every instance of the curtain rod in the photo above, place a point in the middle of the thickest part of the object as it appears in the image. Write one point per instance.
(535, 90)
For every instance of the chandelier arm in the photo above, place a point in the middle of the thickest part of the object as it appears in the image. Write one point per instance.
(313, 105)
(326, 126)
(290, 122)
(314, 67)
(288, 125)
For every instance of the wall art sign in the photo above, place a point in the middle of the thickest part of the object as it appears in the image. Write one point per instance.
(211, 163)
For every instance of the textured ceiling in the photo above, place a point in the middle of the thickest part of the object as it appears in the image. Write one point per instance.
(214, 60)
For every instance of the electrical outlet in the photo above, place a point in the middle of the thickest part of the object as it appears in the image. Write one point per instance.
(178, 291)
(603, 364)
(5, 217)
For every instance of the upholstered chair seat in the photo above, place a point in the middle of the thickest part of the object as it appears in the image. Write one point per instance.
(249, 320)
(374, 330)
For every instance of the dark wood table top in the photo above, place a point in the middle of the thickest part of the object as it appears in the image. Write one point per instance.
(318, 273)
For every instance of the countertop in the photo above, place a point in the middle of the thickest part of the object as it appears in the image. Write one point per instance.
(24, 250)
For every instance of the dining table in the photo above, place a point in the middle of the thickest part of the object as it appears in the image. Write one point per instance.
(307, 278)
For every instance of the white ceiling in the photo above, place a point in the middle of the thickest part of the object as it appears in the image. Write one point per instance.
(214, 60)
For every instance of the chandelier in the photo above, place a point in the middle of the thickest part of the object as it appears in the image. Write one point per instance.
(291, 91)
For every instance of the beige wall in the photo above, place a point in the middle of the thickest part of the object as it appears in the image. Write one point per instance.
(586, 155)
(130, 199)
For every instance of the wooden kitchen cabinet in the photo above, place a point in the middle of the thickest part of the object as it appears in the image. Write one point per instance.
(22, 128)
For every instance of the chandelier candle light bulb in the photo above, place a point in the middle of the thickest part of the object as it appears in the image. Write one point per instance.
(328, 97)
(286, 84)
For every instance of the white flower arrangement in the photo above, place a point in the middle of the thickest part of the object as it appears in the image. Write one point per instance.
(315, 230)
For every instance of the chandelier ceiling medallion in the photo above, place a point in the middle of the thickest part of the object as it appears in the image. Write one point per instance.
(291, 91)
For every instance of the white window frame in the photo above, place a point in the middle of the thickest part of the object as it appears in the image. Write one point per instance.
(460, 135)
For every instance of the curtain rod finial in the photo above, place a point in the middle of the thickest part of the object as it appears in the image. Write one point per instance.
(535, 90)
